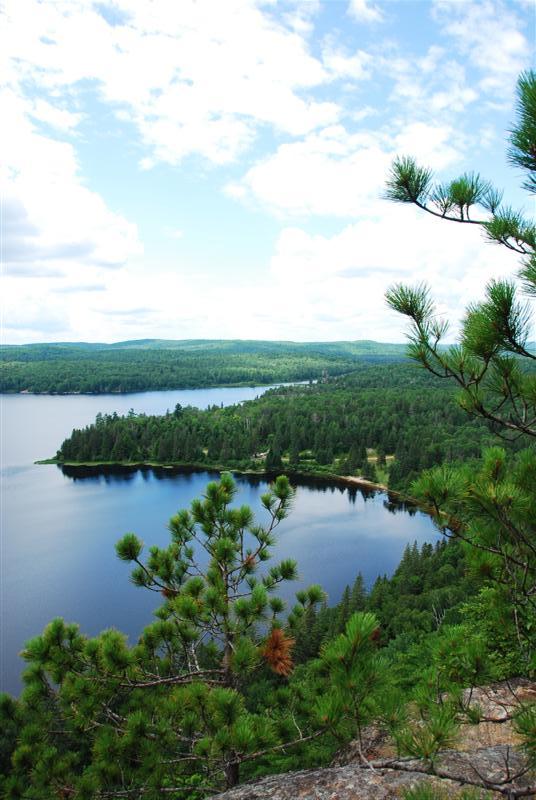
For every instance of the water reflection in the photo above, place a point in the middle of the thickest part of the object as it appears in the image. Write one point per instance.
(395, 505)
(59, 526)
(121, 473)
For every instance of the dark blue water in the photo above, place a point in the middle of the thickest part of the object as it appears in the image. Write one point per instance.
(58, 528)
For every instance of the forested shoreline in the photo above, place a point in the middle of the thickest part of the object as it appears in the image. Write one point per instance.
(68, 368)
(384, 423)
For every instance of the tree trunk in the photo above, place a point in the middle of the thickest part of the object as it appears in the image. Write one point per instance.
(232, 774)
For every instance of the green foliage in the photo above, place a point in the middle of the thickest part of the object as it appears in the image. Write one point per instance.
(490, 507)
(395, 411)
(436, 730)
(98, 716)
(459, 658)
(522, 153)
(494, 385)
(198, 702)
(152, 364)
(408, 183)
(428, 593)
(356, 675)
(525, 725)
(493, 511)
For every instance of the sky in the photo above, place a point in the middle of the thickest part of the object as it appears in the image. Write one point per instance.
(215, 168)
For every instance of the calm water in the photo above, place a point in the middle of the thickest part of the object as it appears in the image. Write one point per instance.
(58, 530)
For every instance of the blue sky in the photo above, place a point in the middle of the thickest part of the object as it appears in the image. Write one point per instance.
(214, 169)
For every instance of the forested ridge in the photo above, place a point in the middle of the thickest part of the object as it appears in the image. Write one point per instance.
(392, 410)
(141, 365)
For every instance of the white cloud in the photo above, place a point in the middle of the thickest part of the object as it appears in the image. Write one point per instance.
(51, 220)
(365, 11)
(489, 34)
(335, 173)
(194, 77)
(346, 275)
(342, 64)
(434, 85)
(330, 173)
(438, 146)
(317, 287)
(301, 16)
(209, 79)
(59, 118)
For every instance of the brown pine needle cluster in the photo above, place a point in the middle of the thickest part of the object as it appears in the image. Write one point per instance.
(276, 651)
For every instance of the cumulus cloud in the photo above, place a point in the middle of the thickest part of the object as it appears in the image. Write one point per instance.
(317, 287)
(61, 119)
(343, 64)
(365, 11)
(209, 80)
(193, 77)
(347, 274)
(51, 219)
(489, 34)
(434, 85)
(337, 173)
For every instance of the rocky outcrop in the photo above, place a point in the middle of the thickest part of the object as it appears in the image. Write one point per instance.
(486, 758)
(496, 704)
(386, 780)
(351, 782)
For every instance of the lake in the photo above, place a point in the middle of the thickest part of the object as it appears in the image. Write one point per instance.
(58, 527)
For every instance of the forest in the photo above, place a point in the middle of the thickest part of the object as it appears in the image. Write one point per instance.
(382, 422)
(143, 365)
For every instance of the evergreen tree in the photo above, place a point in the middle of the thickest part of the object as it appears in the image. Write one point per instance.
(380, 457)
(358, 596)
(490, 362)
(273, 459)
(344, 610)
(368, 471)
(169, 715)
(356, 677)
(492, 508)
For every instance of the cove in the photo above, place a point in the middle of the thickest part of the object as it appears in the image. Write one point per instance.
(59, 525)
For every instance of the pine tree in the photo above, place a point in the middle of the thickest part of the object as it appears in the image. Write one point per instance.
(489, 362)
(101, 718)
(343, 610)
(356, 677)
(273, 459)
(368, 471)
(358, 596)
(491, 508)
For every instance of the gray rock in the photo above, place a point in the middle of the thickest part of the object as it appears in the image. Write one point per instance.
(351, 782)
(489, 766)
(485, 755)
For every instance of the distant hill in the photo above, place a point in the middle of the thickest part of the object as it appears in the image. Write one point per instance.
(358, 347)
(145, 364)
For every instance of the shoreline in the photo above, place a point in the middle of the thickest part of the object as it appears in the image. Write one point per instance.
(328, 477)
(159, 389)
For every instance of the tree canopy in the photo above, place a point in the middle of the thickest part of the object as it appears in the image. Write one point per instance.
(492, 508)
